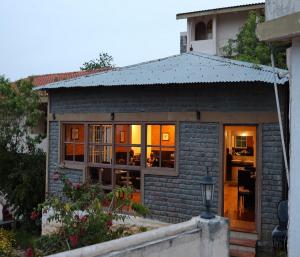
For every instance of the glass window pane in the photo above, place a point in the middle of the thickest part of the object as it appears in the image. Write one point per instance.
(121, 134)
(100, 175)
(168, 157)
(100, 134)
(168, 135)
(121, 177)
(153, 134)
(79, 152)
(74, 133)
(135, 178)
(94, 153)
(135, 135)
(69, 152)
(130, 178)
(100, 154)
(94, 175)
(153, 156)
(106, 176)
(121, 155)
(106, 154)
(135, 156)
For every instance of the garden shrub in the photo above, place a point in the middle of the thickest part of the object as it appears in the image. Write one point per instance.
(22, 165)
(22, 177)
(7, 243)
(84, 218)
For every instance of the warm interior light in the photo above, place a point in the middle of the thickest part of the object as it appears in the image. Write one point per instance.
(136, 138)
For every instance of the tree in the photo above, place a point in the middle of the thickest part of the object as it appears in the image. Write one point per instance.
(246, 47)
(22, 166)
(105, 61)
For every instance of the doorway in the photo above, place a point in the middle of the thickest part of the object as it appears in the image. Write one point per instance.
(239, 171)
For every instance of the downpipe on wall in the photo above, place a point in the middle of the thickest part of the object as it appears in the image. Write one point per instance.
(280, 118)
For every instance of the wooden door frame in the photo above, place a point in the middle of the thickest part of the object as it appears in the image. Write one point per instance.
(258, 183)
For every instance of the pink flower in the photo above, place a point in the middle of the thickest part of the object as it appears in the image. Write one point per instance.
(74, 240)
(34, 215)
(84, 218)
(109, 223)
(29, 252)
(77, 186)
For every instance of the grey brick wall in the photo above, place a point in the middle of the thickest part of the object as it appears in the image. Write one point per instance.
(174, 199)
(55, 187)
(164, 98)
(272, 168)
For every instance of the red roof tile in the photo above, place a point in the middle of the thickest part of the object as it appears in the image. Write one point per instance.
(40, 80)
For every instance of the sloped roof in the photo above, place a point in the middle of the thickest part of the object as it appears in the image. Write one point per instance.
(40, 80)
(229, 9)
(186, 68)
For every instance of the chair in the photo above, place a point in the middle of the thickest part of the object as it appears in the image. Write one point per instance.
(279, 233)
(243, 189)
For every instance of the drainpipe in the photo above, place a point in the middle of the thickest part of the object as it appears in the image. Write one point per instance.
(280, 120)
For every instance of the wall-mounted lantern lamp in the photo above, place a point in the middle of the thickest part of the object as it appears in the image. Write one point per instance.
(207, 187)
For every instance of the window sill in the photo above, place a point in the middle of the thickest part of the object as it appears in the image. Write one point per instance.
(160, 171)
(72, 165)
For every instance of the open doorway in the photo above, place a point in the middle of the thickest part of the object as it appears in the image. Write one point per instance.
(240, 152)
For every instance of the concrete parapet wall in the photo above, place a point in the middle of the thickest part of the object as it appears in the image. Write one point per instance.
(196, 237)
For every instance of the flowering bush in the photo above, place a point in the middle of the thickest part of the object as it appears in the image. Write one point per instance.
(7, 243)
(84, 218)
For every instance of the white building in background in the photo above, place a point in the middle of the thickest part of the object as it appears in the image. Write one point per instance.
(208, 31)
(283, 25)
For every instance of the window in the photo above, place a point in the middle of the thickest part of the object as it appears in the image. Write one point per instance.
(128, 145)
(100, 144)
(160, 150)
(200, 31)
(102, 175)
(204, 31)
(74, 142)
(116, 153)
(241, 141)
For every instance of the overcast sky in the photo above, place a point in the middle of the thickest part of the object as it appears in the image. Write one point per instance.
(48, 36)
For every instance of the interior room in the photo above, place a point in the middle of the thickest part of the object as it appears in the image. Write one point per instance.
(240, 150)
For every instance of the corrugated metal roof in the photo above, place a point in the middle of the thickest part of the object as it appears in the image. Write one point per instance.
(179, 69)
(244, 7)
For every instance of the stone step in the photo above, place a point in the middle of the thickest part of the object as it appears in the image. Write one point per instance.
(247, 245)
(243, 235)
(237, 253)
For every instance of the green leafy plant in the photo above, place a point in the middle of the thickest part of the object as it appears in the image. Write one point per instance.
(105, 61)
(84, 218)
(22, 166)
(246, 47)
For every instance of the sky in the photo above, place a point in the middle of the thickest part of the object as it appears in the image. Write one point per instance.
(51, 36)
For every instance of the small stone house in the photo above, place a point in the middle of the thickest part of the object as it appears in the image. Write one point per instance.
(160, 126)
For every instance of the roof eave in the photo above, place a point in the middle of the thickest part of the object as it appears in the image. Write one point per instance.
(181, 16)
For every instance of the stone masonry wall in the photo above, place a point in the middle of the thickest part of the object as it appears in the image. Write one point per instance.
(174, 199)
(228, 98)
(272, 169)
(55, 187)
